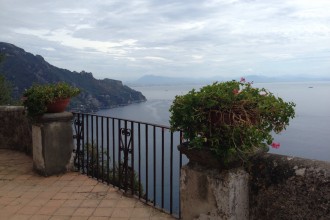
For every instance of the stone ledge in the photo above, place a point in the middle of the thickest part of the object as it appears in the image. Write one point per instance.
(11, 108)
(283, 187)
(55, 117)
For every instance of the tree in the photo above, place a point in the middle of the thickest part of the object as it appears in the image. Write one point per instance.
(5, 94)
(5, 88)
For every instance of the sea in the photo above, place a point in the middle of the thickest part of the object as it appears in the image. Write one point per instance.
(307, 136)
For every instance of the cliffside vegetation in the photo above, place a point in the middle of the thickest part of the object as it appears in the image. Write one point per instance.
(5, 88)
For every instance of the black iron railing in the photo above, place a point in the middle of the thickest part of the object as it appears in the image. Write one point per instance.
(138, 157)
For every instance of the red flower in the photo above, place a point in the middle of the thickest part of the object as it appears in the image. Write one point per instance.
(275, 145)
(24, 98)
(235, 91)
(242, 79)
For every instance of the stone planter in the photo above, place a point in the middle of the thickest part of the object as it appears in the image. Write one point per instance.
(207, 158)
(58, 106)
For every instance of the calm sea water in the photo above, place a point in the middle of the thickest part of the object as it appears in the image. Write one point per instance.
(307, 136)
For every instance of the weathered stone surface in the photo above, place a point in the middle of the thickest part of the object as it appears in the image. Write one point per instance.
(283, 187)
(15, 129)
(213, 194)
(52, 143)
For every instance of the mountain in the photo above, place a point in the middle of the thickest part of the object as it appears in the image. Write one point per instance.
(164, 80)
(152, 79)
(22, 69)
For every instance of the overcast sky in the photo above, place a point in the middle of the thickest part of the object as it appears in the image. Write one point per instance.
(192, 38)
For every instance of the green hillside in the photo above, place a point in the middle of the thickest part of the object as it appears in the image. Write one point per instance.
(22, 69)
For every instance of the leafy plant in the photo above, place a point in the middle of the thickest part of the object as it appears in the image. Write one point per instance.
(96, 164)
(231, 119)
(37, 97)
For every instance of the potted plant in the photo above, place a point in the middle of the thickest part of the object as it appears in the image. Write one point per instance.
(229, 121)
(52, 98)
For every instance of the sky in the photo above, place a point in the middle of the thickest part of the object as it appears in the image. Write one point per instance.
(194, 38)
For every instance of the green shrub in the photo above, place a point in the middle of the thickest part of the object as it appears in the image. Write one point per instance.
(115, 175)
(5, 94)
(231, 119)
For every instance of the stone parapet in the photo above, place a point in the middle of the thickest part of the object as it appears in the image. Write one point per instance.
(269, 186)
(15, 129)
(283, 187)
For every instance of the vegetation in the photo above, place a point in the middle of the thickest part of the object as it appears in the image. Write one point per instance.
(231, 119)
(96, 165)
(38, 97)
(5, 94)
(5, 88)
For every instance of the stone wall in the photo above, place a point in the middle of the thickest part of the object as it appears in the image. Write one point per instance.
(15, 129)
(283, 187)
(269, 187)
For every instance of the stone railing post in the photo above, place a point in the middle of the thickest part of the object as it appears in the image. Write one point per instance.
(213, 194)
(52, 143)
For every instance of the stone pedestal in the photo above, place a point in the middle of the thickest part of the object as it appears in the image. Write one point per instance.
(52, 143)
(213, 194)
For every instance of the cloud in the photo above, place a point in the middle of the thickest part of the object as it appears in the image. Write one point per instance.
(178, 38)
(156, 59)
(48, 48)
(65, 37)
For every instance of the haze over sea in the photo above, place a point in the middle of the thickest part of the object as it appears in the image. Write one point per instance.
(307, 136)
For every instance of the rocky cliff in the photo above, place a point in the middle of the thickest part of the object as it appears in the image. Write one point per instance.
(22, 69)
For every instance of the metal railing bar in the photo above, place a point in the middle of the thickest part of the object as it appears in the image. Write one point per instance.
(83, 143)
(180, 165)
(132, 158)
(92, 156)
(162, 204)
(139, 159)
(97, 147)
(87, 140)
(122, 119)
(113, 151)
(119, 155)
(171, 175)
(154, 161)
(155, 184)
(102, 148)
(147, 173)
(108, 149)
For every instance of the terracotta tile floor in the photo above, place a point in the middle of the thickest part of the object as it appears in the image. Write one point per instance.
(26, 195)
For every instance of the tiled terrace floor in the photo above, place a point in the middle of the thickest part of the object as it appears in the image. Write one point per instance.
(26, 195)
